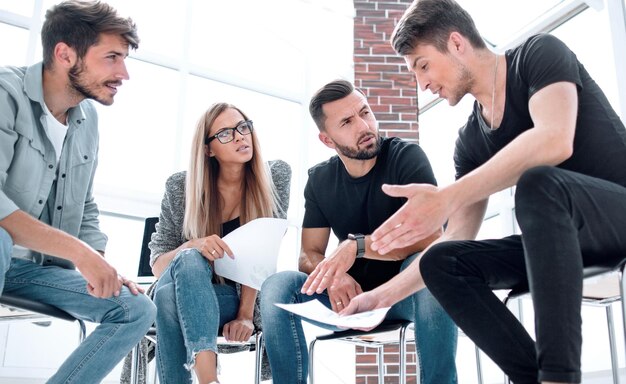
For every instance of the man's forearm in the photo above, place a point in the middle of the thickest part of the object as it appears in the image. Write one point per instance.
(33, 234)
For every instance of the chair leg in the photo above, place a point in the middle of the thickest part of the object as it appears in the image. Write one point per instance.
(258, 358)
(479, 365)
(381, 363)
(622, 289)
(311, 359)
(612, 346)
(134, 367)
(82, 331)
(402, 342)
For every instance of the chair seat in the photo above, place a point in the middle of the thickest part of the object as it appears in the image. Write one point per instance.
(385, 326)
(588, 272)
(35, 306)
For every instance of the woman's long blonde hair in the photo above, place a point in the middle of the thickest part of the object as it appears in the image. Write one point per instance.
(203, 203)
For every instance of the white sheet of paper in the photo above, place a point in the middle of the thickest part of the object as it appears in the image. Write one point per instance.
(255, 246)
(314, 310)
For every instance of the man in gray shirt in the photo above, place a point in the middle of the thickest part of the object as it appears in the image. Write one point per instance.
(48, 157)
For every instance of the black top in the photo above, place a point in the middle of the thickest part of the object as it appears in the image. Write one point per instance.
(600, 140)
(333, 199)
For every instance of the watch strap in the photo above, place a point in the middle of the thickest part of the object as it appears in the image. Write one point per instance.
(360, 244)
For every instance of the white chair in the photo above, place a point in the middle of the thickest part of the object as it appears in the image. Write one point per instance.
(600, 293)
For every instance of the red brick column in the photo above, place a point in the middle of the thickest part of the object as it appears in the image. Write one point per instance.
(392, 93)
(367, 365)
(379, 72)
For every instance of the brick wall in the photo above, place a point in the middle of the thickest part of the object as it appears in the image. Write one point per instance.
(392, 94)
(367, 365)
(379, 72)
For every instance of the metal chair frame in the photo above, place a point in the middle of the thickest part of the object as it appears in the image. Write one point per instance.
(254, 344)
(606, 302)
(37, 311)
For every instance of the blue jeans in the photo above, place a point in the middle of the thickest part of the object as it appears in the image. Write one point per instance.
(435, 333)
(569, 221)
(123, 320)
(190, 313)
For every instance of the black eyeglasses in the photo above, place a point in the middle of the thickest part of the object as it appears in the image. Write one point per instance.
(227, 135)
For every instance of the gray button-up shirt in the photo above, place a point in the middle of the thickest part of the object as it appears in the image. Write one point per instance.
(28, 167)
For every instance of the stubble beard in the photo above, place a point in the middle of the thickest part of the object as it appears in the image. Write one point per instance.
(360, 154)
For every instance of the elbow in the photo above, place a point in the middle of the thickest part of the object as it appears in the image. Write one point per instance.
(557, 146)
(157, 269)
(563, 152)
(302, 264)
(303, 267)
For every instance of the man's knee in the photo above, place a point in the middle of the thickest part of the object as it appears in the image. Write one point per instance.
(280, 286)
(434, 261)
(148, 308)
(143, 309)
(131, 309)
(538, 190)
(535, 184)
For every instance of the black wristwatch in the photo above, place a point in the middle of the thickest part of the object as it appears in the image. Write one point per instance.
(360, 244)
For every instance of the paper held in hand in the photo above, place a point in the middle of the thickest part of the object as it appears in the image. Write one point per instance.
(255, 246)
(314, 310)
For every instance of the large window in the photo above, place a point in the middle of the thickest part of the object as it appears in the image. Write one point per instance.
(194, 53)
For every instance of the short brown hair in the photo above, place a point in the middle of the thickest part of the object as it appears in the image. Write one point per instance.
(79, 25)
(335, 90)
(431, 22)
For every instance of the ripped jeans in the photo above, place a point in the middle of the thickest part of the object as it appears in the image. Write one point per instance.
(190, 312)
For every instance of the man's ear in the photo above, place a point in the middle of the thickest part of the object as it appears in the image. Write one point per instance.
(327, 141)
(64, 55)
(456, 43)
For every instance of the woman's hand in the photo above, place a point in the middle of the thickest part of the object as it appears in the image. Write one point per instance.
(211, 247)
(238, 330)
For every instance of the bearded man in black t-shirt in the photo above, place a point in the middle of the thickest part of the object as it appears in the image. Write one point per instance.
(344, 194)
(539, 123)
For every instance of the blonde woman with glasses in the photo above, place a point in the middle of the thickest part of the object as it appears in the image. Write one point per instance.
(227, 185)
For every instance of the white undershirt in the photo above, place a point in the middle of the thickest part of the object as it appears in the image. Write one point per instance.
(56, 132)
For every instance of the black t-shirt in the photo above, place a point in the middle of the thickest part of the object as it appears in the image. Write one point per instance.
(600, 139)
(333, 199)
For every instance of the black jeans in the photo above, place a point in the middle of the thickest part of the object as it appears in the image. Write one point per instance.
(568, 221)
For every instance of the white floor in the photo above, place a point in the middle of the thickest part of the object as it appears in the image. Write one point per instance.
(335, 365)
(334, 360)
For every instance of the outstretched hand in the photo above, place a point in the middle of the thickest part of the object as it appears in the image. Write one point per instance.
(425, 211)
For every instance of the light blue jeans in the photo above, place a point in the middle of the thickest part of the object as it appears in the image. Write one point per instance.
(123, 320)
(190, 313)
(435, 333)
